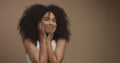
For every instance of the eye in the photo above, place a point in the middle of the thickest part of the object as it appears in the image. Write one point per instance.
(46, 19)
(54, 20)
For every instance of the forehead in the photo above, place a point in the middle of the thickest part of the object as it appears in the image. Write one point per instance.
(49, 15)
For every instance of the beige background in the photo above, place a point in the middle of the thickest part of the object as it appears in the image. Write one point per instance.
(95, 26)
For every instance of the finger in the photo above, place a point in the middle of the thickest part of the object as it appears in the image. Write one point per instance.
(42, 33)
(54, 29)
(50, 37)
(42, 28)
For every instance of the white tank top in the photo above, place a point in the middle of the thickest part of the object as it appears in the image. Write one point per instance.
(38, 48)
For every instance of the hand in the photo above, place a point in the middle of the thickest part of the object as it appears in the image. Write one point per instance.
(53, 29)
(51, 35)
(42, 33)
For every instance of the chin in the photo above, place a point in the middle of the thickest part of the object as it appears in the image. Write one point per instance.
(48, 31)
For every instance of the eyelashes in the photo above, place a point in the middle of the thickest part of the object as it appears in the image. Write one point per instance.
(48, 19)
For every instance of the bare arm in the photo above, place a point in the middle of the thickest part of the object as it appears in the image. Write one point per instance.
(43, 53)
(35, 55)
(31, 50)
(58, 55)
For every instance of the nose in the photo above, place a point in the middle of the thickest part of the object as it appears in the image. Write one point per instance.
(51, 22)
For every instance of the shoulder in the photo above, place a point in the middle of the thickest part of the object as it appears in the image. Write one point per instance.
(28, 44)
(29, 41)
(61, 43)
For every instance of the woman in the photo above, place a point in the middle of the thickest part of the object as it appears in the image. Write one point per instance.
(45, 32)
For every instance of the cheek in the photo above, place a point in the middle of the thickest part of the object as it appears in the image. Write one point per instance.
(44, 23)
(55, 23)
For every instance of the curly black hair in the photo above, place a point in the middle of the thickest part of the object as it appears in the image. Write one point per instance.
(28, 23)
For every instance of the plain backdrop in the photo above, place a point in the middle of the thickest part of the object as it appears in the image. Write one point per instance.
(95, 26)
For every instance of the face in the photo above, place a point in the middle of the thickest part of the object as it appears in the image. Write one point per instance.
(49, 22)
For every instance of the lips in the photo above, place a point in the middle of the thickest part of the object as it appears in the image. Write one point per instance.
(50, 27)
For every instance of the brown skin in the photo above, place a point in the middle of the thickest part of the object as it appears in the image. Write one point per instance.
(46, 54)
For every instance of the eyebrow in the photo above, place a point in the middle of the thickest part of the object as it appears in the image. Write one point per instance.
(45, 17)
(48, 17)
